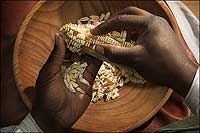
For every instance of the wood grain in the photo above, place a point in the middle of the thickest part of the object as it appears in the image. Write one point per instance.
(34, 43)
(193, 5)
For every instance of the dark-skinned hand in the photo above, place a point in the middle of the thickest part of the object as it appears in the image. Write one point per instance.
(55, 107)
(158, 56)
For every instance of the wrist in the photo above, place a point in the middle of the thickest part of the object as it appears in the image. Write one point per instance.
(185, 78)
(42, 120)
(47, 121)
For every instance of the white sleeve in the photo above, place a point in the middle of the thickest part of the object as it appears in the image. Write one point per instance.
(188, 25)
(27, 125)
(192, 98)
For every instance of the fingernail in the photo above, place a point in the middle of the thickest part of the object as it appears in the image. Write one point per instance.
(57, 34)
(92, 31)
(100, 49)
(56, 39)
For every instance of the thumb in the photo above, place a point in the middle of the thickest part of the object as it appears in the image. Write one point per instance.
(56, 58)
(119, 55)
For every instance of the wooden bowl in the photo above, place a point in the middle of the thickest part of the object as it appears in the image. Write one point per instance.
(34, 43)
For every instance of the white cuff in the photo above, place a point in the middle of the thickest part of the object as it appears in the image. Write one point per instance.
(192, 98)
(28, 125)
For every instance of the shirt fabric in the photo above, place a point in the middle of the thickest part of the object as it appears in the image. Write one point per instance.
(192, 98)
(188, 25)
(27, 125)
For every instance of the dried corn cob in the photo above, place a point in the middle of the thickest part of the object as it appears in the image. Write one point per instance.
(78, 37)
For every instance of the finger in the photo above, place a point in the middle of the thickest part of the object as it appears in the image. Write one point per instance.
(131, 10)
(122, 22)
(92, 69)
(56, 58)
(118, 54)
(96, 23)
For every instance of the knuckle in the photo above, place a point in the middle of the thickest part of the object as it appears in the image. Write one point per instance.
(161, 19)
(130, 8)
(115, 22)
(119, 18)
(158, 20)
(111, 53)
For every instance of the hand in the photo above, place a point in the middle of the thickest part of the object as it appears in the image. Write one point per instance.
(55, 108)
(158, 56)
